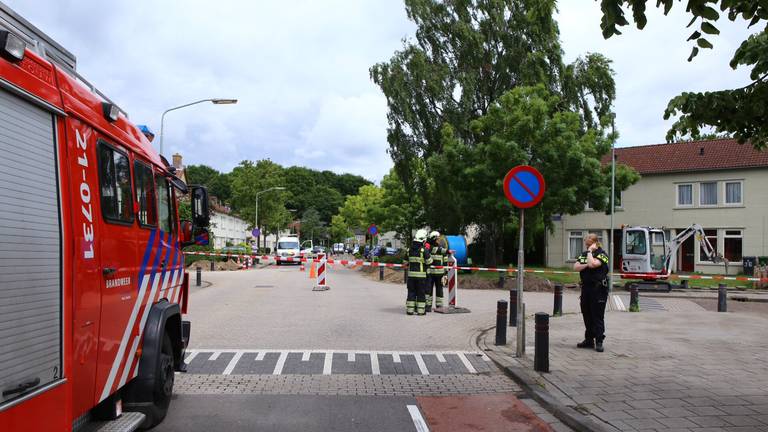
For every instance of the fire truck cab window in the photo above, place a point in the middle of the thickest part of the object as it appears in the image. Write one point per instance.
(115, 185)
(164, 205)
(145, 194)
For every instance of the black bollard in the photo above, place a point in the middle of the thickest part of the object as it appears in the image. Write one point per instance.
(722, 296)
(381, 273)
(501, 280)
(558, 309)
(246, 263)
(199, 276)
(501, 322)
(213, 265)
(513, 307)
(684, 284)
(541, 343)
(634, 299)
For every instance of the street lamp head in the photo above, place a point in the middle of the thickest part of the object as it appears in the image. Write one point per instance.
(224, 101)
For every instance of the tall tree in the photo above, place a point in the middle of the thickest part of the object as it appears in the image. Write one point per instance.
(403, 212)
(218, 184)
(465, 56)
(741, 112)
(250, 178)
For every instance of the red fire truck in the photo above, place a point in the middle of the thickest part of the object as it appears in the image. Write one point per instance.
(92, 279)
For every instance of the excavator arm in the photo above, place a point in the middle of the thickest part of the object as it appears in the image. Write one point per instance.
(674, 245)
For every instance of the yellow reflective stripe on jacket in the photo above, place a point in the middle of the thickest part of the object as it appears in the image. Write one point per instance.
(603, 257)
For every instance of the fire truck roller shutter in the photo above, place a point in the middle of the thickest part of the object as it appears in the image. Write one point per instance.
(30, 249)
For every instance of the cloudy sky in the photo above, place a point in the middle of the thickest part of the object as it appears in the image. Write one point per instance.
(300, 71)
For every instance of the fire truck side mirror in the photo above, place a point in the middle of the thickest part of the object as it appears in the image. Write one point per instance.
(200, 214)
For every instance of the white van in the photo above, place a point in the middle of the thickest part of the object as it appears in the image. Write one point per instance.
(287, 247)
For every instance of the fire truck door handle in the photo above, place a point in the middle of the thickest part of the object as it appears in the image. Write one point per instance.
(162, 264)
(109, 270)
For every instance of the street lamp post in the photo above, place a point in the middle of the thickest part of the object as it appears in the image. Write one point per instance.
(215, 101)
(256, 217)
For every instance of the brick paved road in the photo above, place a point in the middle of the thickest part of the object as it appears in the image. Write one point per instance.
(698, 371)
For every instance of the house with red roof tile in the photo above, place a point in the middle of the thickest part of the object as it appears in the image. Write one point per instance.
(720, 184)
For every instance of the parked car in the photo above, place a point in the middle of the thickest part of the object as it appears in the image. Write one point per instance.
(338, 248)
(287, 247)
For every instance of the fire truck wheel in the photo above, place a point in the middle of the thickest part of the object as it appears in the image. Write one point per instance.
(163, 384)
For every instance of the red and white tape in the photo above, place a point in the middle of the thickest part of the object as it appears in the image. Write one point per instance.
(508, 270)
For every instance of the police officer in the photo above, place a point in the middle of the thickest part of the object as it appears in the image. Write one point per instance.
(435, 280)
(419, 260)
(592, 266)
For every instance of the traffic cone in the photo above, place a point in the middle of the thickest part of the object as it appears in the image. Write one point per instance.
(312, 271)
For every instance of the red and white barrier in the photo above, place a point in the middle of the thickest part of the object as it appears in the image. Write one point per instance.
(453, 282)
(320, 284)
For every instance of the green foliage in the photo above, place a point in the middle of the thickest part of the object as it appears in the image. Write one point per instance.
(741, 113)
(402, 211)
(248, 179)
(339, 229)
(218, 184)
(365, 208)
(185, 210)
(311, 226)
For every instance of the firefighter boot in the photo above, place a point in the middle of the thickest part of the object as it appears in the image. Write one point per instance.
(599, 346)
(428, 307)
(586, 343)
(410, 305)
(421, 308)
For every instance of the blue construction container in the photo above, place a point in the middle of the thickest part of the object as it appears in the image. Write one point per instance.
(458, 244)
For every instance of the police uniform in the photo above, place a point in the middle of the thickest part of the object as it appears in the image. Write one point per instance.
(435, 280)
(594, 294)
(419, 259)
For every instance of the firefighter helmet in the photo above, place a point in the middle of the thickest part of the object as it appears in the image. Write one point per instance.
(434, 234)
(421, 235)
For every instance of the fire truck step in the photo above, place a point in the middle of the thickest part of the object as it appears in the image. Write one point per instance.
(127, 422)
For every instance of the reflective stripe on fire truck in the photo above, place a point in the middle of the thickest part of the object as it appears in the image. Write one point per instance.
(142, 282)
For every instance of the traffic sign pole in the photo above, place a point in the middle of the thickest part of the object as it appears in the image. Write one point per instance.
(524, 187)
(520, 267)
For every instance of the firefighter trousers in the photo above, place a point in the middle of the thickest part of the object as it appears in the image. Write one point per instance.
(416, 300)
(593, 300)
(435, 286)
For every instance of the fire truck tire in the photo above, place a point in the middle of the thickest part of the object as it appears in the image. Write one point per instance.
(163, 383)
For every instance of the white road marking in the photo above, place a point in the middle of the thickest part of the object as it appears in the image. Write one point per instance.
(350, 357)
(440, 357)
(396, 357)
(328, 363)
(305, 356)
(215, 355)
(280, 363)
(420, 363)
(485, 357)
(191, 355)
(260, 355)
(466, 362)
(375, 364)
(232, 363)
(418, 420)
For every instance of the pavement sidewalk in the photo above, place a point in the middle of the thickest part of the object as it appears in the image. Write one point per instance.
(688, 370)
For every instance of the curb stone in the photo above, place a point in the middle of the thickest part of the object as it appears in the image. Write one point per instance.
(535, 389)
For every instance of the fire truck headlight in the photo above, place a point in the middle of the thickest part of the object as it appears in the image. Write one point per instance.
(111, 111)
(12, 46)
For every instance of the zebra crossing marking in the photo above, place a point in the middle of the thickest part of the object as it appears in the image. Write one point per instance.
(279, 362)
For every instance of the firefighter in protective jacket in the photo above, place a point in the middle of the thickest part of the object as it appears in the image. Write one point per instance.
(435, 280)
(419, 260)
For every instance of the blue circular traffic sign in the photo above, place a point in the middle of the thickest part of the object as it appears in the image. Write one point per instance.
(524, 186)
(255, 232)
(372, 230)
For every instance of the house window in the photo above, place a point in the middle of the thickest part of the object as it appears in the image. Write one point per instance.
(618, 199)
(684, 195)
(708, 194)
(575, 244)
(115, 185)
(145, 194)
(732, 245)
(710, 235)
(733, 193)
